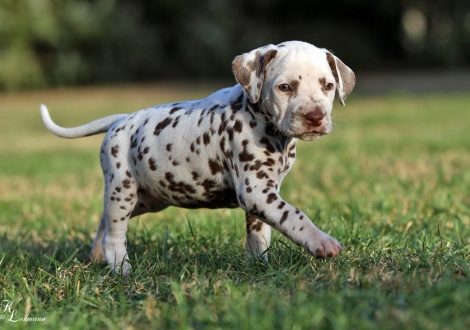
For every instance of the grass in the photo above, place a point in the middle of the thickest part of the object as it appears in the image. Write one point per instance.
(392, 183)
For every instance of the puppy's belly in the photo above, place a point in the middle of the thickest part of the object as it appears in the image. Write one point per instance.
(210, 197)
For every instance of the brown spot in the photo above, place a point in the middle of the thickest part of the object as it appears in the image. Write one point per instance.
(284, 217)
(294, 86)
(114, 151)
(152, 164)
(118, 165)
(245, 156)
(223, 124)
(126, 183)
(161, 125)
(222, 143)
(175, 122)
(168, 147)
(257, 226)
(271, 198)
(180, 187)
(254, 211)
(281, 205)
(230, 134)
(215, 167)
(249, 221)
(238, 126)
(322, 82)
(206, 138)
(173, 110)
(256, 166)
(128, 174)
(262, 174)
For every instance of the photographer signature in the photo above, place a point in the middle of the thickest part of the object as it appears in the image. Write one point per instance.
(9, 314)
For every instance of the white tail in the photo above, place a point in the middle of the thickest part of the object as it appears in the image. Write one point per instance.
(95, 127)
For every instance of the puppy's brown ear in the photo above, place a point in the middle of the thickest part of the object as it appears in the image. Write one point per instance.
(344, 76)
(250, 69)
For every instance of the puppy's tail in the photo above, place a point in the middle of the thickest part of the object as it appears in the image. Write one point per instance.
(95, 127)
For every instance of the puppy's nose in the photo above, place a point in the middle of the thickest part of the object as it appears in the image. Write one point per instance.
(315, 117)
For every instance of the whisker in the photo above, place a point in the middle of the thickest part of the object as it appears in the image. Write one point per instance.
(337, 125)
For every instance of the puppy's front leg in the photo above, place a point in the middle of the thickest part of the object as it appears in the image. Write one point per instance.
(268, 206)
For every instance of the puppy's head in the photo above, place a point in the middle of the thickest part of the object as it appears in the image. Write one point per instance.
(294, 83)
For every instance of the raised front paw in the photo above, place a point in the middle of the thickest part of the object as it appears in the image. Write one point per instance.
(322, 245)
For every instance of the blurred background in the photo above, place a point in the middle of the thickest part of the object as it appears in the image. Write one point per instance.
(46, 43)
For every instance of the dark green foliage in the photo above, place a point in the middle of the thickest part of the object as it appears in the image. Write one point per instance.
(69, 42)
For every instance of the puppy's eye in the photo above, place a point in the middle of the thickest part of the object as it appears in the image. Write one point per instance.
(284, 87)
(329, 86)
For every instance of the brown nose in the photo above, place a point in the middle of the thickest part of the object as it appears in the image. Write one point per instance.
(315, 117)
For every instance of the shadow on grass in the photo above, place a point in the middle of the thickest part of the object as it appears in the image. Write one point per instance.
(173, 256)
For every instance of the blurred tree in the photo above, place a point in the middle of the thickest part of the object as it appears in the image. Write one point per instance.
(55, 42)
(63, 42)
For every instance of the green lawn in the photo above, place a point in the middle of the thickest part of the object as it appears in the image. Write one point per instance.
(392, 184)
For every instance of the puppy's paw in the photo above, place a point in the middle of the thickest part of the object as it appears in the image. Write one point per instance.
(322, 245)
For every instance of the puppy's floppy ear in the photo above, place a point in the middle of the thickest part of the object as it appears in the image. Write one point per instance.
(344, 76)
(249, 70)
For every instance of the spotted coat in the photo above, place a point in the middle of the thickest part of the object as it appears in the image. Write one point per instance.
(231, 149)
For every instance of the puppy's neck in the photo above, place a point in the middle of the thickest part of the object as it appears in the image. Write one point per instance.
(265, 119)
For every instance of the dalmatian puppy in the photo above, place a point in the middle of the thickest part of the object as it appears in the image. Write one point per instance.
(231, 149)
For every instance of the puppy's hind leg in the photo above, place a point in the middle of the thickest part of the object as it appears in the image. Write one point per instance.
(97, 253)
(118, 209)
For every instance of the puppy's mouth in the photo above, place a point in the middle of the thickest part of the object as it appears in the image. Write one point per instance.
(311, 136)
